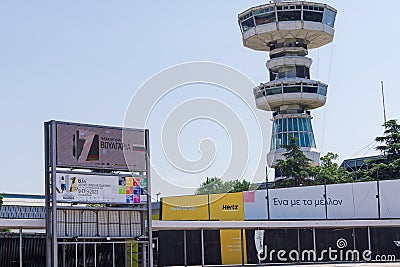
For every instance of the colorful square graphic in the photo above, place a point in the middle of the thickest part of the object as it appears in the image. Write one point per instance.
(121, 181)
(136, 198)
(129, 199)
(129, 181)
(122, 190)
(136, 181)
(136, 190)
(129, 190)
(143, 182)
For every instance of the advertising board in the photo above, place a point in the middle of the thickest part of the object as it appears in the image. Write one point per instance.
(191, 208)
(231, 247)
(297, 203)
(99, 147)
(389, 195)
(353, 201)
(79, 188)
(255, 205)
(227, 207)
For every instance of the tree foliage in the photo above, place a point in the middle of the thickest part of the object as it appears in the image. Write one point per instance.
(329, 171)
(390, 142)
(295, 167)
(216, 185)
(388, 165)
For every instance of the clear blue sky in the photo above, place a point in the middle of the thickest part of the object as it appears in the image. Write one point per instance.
(83, 60)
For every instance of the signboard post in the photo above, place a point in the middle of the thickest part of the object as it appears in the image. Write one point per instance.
(89, 164)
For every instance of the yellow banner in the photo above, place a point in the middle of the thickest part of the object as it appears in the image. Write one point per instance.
(231, 247)
(190, 208)
(227, 207)
(132, 259)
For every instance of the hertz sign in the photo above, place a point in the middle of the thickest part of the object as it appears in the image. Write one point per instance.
(227, 207)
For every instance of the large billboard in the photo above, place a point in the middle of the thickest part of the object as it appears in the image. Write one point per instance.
(99, 147)
(255, 205)
(190, 208)
(389, 195)
(80, 188)
(352, 201)
(227, 207)
(298, 203)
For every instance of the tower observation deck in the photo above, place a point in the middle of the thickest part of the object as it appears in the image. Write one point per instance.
(287, 30)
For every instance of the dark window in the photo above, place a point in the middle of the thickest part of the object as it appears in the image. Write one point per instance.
(312, 16)
(309, 89)
(247, 24)
(292, 89)
(289, 15)
(273, 75)
(274, 91)
(302, 72)
(265, 18)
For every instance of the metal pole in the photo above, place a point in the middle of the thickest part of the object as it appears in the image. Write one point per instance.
(384, 107)
(326, 198)
(20, 247)
(53, 159)
(84, 255)
(242, 245)
(131, 255)
(315, 244)
(113, 254)
(369, 238)
(149, 207)
(267, 187)
(378, 197)
(184, 248)
(76, 254)
(202, 247)
(47, 192)
(95, 254)
(298, 243)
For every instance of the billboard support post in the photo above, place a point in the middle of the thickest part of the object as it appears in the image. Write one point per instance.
(47, 193)
(184, 248)
(53, 163)
(149, 207)
(202, 247)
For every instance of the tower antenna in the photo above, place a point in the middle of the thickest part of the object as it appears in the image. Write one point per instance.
(384, 107)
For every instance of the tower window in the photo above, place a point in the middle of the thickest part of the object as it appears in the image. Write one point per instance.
(289, 15)
(248, 24)
(312, 16)
(329, 17)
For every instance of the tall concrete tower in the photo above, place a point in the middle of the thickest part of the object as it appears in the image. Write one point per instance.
(287, 30)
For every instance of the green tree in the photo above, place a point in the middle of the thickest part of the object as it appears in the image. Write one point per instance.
(216, 185)
(213, 185)
(295, 167)
(240, 186)
(329, 171)
(388, 165)
(390, 142)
